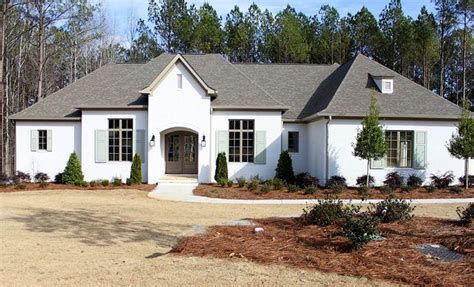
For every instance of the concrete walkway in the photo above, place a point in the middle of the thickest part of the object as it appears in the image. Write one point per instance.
(184, 193)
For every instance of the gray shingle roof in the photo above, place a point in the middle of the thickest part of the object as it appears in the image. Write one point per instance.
(304, 90)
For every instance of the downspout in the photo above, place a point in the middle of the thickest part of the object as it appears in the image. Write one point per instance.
(327, 149)
(211, 141)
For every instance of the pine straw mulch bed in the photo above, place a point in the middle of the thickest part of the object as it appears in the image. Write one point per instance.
(288, 241)
(235, 192)
(56, 186)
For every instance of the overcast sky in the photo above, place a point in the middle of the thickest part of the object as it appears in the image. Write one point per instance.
(120, 11)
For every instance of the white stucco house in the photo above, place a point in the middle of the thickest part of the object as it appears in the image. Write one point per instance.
(180, 111)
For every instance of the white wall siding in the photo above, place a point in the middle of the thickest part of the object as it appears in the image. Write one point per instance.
(300, 158)
(173, 109)
(66, 138)
(342, 134)
(268, 121)
(317, 149)
(93, 120)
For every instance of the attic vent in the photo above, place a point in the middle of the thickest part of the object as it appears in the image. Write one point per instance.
(384, 83)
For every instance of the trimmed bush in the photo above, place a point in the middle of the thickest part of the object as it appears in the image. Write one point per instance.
(466, 215)
(292, 188)
(265, 188)
(361, 230)
(284, 170)
(336, 180)
(430, 188)
(241, 181)
(414, 180)
(385, 189)
(58, 178)
(277, 184)
(116, 181)
(304, 179)
(362, 180)
(230, 183)
(310, 189)
(41, 177)
(253, 184)
(93, 183)
(136, 170)
(337, 188)
(21, 177)
(443, 180)
(221, 167)
(327, 212)
(393, 180)
(73, 173)
(104, 182)
(391, 210)
(363, 191)
(128, 182)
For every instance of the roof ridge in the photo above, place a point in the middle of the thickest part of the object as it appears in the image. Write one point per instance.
(287, 64)
(258, 86)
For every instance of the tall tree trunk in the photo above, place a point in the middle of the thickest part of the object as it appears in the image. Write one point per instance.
(464, 43)
(41, 56)
(368, 175)
(3, 123)
(466, 172)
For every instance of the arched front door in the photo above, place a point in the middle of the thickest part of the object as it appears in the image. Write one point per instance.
(181, 153)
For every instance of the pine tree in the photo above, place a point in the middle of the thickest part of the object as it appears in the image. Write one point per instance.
(221, 167)
(73, 173)
(284, 170)
(461, 145)
(136, 170)
(370, 140)
(208, 35)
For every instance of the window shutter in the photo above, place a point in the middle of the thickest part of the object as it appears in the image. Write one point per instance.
(139, 141)
(222, 142)
(419, 158)
(49, 140)
(101, 145)
(377, 164)
(34, 140)
(260, 147)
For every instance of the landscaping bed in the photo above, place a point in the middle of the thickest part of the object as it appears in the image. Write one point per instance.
(235, 192)
(290, 241)
(56, 186)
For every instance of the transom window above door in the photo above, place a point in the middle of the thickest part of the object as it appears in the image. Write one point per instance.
(241, 140)
(120, 139)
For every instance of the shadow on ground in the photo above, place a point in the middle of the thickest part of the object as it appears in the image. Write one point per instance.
(99, 228)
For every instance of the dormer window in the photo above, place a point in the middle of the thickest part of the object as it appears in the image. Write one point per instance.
(180, 81)
(384, 83)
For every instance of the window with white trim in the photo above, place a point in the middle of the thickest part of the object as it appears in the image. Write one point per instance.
(241, 140)
(399, 148)
(120, 139)
(293, 142)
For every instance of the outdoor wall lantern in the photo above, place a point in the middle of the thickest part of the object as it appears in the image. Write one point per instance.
(152, 141)
(203, 142)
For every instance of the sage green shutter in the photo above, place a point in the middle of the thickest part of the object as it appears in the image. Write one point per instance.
(260, 147)
(49, 140)
(34, 140)
(419, 153)
(222, 142)
(377, 164)
(101, 145)
(139, 142)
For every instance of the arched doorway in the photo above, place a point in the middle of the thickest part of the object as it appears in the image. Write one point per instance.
(181, 152)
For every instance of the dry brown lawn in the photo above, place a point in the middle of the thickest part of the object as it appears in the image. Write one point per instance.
(122, 237)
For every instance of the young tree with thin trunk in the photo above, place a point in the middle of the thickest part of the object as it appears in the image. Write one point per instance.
(461, 144)
(370, 140)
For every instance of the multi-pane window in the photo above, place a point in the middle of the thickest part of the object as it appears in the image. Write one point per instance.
(293, 141)
(241, 140)
(120, 139)
(399, 148)
(42, 139)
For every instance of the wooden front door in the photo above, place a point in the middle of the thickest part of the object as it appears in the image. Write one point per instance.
(181, 153)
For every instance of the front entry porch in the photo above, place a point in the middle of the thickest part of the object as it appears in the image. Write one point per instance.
(181, 153)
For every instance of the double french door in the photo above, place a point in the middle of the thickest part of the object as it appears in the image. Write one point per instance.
(181, 153)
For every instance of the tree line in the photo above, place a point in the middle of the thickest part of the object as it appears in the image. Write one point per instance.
(48, 44)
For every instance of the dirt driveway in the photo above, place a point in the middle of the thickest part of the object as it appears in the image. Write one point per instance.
(122, 237)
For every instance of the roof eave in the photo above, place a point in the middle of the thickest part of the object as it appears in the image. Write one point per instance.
(250, 108)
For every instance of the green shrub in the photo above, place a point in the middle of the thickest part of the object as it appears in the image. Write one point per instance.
(104, 182)
(58, 178)
(466, 215)
(337, 188)
(456, 189)
(222, 182)
(44, 184)
(265, 188)
(336, 180)
(327, 212)
(93, 183)
(116, 181)
(81, 183)
(292, 188)
(391, 209)
(41, 177)
(414, 180)
(73, 173)
(21, 177)
(136, 170)
(253, 185)
(361, 230)
(221, 167)
(407, 188)
(362, 180)
(443, 180)
(310, 189)
(304, 179)
(241, 181)
(284, 170)
(20, 186)
(277, 184)
(387, 190)
(363, 191)
(430, 188)
(393, 180)
(128, 182)
(230, 183)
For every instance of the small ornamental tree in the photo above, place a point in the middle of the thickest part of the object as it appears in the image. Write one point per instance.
(72, 173)
(136, 170)
(370, 140)
(284, 170)
(221, 167)
(461, 144)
